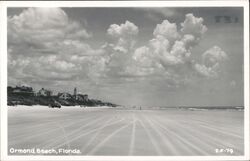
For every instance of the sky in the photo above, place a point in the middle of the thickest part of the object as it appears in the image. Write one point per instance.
(130, 56)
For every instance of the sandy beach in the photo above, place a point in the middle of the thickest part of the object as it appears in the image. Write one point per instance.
(113, 131)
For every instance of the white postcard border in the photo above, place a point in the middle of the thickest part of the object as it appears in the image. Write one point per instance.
(3, 78)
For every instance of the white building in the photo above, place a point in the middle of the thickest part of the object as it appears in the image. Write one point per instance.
(64, 96)
(44, 92)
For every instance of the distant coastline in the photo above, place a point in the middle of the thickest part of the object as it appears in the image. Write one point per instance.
(190, 108)
(25, 95)
(208, 107)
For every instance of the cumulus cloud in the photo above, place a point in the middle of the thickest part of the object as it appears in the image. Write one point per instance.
(170, 51)
(41, 31)
(212, 60)
(193, 26)
(118, 52)
(206, 71)
(123, 30)
(42, 42)
(161, 48)
(214, 56)
(37, 25)
(143, 57)
(46, 67)
(45, 18)
(56, 46)
(188, 40)
(123, 36)
(172, 47)
(180, 51)
(160, 45)
(167, 29)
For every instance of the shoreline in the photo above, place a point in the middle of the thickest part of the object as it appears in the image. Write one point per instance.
(128, 108)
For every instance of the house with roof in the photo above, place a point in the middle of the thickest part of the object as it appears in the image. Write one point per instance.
(65, 96)
(44, 92)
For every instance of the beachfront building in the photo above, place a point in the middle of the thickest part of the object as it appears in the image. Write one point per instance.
(44, 92)
(65, 96)
(79, 97)
(82, 97)
(21, 90)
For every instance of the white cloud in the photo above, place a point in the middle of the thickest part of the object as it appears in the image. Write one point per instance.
(193, 25)
(123, 36)
(167, 29)
(161, 49)
(145, 58)
(37, 18)
(159, 45)
(57, 47)
(205, 71)
(144, 63)
(179, 51)
(42, 30)
(167, 54)
(213, 56)
(118, 52)
(123, 30)
(168, 46)
(212, 61)
(170, 50)
(189, 41)
(45, 44)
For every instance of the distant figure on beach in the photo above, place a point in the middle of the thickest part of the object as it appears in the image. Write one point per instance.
(140, 107)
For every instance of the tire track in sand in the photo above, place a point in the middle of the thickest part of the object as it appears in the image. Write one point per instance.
(132, 141)
(164, 138)
(79, 136)
(151, 138)
(98, 146)
(61, 138)
(106, 124)
(20, 139)
(209, 141)
(183, 140)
